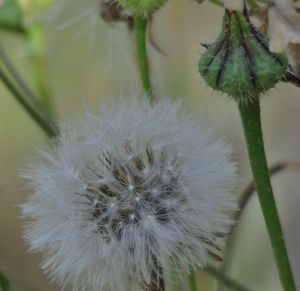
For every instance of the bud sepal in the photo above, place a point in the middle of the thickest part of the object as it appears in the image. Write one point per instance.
(239, 63)
(142, 7)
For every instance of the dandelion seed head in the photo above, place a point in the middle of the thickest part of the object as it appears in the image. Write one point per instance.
(126, 189)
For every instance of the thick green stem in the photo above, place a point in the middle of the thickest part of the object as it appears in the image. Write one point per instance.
(245, 196)
(193, 281)
(250, 115)
(36, 115)
(141, 24)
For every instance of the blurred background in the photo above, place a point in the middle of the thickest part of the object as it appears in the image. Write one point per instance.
(86, 60)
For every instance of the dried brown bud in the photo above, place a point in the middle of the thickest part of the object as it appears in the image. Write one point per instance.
(111, 11)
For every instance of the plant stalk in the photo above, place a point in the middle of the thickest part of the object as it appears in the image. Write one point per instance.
(245, 197)
(10, 68)
(192, 281)
(36, 115)
(227, 281)
(141, 24)
(251, 120)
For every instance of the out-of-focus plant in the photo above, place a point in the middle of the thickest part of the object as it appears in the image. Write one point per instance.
(4, 283)
(23, 17)
(11, 17)
(96, 201)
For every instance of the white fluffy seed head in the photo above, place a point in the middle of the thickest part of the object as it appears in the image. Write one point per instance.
(126, 192)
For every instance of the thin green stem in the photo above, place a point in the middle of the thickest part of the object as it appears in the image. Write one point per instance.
(250, 115)
(16, 76)
(141, 24)
(227, 281)
(36, 115)
(193, 281)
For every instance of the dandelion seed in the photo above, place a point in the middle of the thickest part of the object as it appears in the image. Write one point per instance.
(119, 231)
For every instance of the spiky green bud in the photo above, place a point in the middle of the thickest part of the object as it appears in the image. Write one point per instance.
(142, 7)
(239, 63)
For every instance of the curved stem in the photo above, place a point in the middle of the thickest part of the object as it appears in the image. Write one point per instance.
(227, 281)
(141, 25)
(250, 115)
(245, 196)
(43, 122)
(193, 281)
(250, 188)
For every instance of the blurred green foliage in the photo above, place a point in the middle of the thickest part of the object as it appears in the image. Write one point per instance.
(4, 284)
(11, 16)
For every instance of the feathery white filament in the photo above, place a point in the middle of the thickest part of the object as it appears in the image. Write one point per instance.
(122, 192)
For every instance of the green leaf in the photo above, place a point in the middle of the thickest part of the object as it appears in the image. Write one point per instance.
(4, 283)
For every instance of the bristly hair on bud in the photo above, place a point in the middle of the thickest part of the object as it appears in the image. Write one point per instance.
(121, 192)
(240, 63)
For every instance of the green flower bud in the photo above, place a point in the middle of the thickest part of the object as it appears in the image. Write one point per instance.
(239, 63)
(142, 7)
